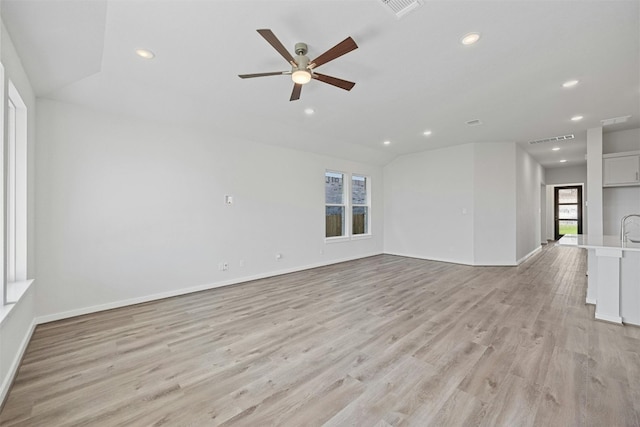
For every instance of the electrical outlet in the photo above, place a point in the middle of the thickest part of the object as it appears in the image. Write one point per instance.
(241, 263)
(223, 266)
(278, 256)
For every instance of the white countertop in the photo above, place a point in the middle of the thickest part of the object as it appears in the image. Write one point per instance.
(596, 242)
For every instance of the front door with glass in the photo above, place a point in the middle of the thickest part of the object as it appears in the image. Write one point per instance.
(568, 210)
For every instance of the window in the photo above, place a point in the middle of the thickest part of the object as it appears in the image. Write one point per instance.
(335, 209)
(15, 242)
(359, 205)
(341, 210)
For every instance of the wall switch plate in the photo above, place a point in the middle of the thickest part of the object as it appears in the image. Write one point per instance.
(228, 200)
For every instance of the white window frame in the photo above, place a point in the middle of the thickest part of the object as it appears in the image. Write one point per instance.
(14, 213)
(367, 205)
(348, 205)
(344, 205)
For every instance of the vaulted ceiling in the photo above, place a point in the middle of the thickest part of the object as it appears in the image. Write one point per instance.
(412, 74)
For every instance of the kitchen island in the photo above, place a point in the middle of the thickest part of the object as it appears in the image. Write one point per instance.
(614, 276)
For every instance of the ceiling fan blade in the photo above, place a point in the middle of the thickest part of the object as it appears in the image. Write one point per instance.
(345, 46)
(273, 41)
(342, 84)
(295, 95)
(274, 73)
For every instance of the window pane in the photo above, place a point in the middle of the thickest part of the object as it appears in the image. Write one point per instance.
(360, 220)
(334, 221)
(358, 190)
(568, 211)
(568, 227)
(333, 188)
(568, 195)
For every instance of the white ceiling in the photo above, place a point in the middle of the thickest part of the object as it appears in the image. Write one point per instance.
(411, 74)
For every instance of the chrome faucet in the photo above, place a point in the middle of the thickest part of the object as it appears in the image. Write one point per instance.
(623, 235)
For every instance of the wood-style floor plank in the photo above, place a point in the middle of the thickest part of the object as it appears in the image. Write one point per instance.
(382, 341)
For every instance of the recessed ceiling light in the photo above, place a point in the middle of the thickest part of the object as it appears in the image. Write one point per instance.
(555, 148)
(309, 111)
(470, 38)
(576, 118)
(563, 161)
(426, 133)
(144, 53)
(570, 83)
(387, 142)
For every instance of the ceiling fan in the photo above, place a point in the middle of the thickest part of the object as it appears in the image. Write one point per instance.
(302, 69)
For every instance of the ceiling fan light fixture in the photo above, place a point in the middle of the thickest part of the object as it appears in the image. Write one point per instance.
(301, 77)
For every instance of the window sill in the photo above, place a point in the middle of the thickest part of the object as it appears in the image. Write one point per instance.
(361, 236)
(336, 239)
(347, 238)
(15, 291)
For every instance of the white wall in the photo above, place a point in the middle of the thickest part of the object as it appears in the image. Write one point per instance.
(566, 175)
(621, 141)
(619, 201)
(494, 215)
(426, 196)
(476, 204)
(130, 210)
(17, 326)
(529, 176)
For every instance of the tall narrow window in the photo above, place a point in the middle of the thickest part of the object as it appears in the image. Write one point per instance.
(11, 192)
(15, 249)
(335, 209)
(359, 205)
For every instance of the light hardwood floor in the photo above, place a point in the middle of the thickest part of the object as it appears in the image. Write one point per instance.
(381, 341)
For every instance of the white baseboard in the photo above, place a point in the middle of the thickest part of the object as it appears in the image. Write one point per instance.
(162, 295)
(15, 364)
(591, 301)
(455, 261)
(529, 255)
(448, 260)
(607, 318)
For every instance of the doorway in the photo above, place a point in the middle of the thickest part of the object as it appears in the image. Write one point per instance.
(568, 210)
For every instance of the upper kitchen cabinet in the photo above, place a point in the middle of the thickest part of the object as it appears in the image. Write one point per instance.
(621, 169)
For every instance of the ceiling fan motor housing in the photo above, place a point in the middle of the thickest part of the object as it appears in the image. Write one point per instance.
(303, 63)
(301, 49)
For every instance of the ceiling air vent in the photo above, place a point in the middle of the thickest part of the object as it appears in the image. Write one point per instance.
(615, 120)
(475, 122)
(553, 139)
(400, 7)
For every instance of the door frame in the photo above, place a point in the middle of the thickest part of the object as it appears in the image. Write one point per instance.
(556, 208)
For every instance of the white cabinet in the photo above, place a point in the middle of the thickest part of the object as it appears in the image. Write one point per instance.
(621, 169)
